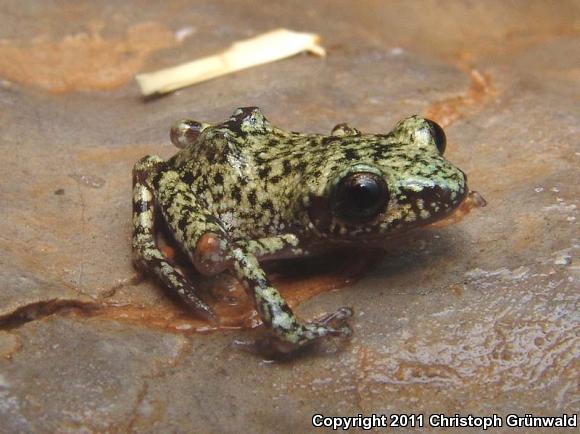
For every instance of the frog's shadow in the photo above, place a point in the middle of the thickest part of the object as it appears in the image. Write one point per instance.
(404, 255)
(424, 249)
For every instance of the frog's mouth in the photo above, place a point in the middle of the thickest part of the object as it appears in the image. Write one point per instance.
(471, 201)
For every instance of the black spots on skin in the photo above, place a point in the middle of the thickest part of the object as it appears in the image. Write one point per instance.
(235, 126)
(283, 154)
(264, 171)
(275, 179)
(268, 308)
(267, 204)
(140, 230)
(140, 206)
(236, 193)
(286, 309)
(215, 154)
(252, 198)
(378, 152)
(183, 216)
(328, 139)
(183, 222)
(273, 142)
(262, 245)
(301, 167)
(383, 148)
(188, 178)
(350, 154)
(247, 113)
(248, 118)
(218, 178)
(156, 179)
(436, 194)
(287, 168)
(431, 170)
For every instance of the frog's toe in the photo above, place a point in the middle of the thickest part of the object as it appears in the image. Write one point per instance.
(339, 329)
(335, 317)
(287, 343)
(345, 331)
(333, 324)
(279, 347)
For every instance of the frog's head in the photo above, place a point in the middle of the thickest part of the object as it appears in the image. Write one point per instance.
(386, 184)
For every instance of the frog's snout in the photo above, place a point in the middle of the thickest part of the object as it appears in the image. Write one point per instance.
(430, 201)
(445, 196)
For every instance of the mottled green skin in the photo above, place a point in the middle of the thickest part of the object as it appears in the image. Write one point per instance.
(262, 193)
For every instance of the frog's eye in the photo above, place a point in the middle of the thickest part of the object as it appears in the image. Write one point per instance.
(359, 197)
(438, 135)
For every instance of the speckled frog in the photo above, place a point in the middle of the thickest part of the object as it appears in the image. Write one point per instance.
(244, 191)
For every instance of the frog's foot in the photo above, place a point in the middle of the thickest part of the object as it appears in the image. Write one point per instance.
(288, 334)
(286, 343)
(330, 325)
(337, 321)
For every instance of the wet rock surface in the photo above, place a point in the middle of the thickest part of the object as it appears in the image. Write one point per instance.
(478, 317)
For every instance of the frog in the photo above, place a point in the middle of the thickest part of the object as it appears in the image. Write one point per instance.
(242, 192)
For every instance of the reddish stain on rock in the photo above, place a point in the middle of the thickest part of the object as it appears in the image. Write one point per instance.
(448, 110)
(297, 281)
(83, 61)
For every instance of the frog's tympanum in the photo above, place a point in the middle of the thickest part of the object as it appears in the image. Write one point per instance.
(244, 191)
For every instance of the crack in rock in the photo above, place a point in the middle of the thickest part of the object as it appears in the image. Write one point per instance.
(42, 309)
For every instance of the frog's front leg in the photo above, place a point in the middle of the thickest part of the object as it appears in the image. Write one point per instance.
(290, 334)
(209, 255)
(146, 254)
(275, 247)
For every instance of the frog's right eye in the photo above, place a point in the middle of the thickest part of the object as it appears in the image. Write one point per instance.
(438, 135)
(185, 132)
(359, 197)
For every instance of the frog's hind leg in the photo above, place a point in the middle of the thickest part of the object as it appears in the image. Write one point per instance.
(289, 333)
(146, 253)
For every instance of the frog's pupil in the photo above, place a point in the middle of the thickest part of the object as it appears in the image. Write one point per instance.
(438, 135)
(364, 196)
(360, 197)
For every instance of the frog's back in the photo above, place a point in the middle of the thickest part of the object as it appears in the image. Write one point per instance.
(249, 178)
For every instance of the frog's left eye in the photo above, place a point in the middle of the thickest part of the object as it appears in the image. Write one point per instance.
(438, 135)
(359, 197)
